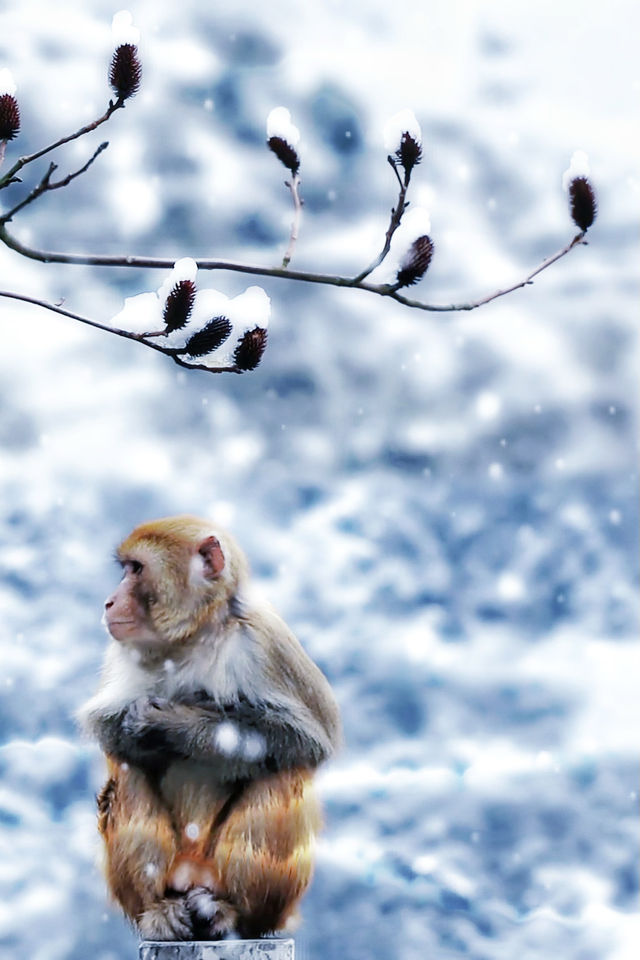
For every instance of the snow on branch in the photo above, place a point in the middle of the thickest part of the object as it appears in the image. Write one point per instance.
(202, 328)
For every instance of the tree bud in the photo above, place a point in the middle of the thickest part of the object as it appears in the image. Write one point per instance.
(125, 72)
(409, 154)
(209, 338)
(249, 351)
(403, 138)
(178, 305)
(415, 262)
(285, 153)
(282, 138)
(9, 117)
(582, 203)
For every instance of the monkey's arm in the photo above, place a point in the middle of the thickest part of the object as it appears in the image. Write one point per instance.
(239, 740)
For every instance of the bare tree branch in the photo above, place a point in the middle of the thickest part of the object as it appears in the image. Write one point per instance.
(45, 184)
(10, 176)
(396, 216)
(126, 334)
(473, 304)
(305, 276)
(407, 158)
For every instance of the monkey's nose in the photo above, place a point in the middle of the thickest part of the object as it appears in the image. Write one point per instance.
(108, 603)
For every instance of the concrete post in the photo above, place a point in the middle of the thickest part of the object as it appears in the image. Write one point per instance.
(217, 950)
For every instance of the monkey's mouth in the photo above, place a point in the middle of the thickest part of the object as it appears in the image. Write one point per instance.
(113, 626)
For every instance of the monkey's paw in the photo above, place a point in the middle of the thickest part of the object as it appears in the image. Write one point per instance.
(211, 918)
(143, 713)
(166, 920)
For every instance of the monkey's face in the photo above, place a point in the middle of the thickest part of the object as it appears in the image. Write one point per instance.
(127, 610)
(175, 575)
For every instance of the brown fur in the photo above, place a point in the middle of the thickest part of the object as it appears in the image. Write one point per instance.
(259, 859)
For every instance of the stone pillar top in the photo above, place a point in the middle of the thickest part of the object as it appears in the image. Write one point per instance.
(267, 949)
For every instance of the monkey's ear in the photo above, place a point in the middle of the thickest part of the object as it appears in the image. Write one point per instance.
(213, 557)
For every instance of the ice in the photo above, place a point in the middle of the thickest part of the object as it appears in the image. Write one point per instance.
(249, 309)
(140, 314)
(279, 125)
(415, 223)
(578, 167)
(399, 124)
(7, 83)
(123, 30)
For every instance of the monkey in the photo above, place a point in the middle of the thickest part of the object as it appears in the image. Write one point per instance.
(213, 720)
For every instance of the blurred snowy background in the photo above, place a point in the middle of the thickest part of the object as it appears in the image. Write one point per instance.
(442, 506)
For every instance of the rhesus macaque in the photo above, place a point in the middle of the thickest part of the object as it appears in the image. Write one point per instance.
(213, 720)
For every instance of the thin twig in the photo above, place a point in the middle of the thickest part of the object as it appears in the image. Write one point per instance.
(396, 216)
(333, 280)
(23, 161)
(293, 185)
(74, 316)
(127, 334)
(45, 184)
(473, 304)
(35, 193)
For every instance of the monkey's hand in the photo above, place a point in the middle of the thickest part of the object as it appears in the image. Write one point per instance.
(144, 715)
(138, 734)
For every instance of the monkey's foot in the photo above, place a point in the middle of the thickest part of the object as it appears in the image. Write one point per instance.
(211, 917)
(166, 920)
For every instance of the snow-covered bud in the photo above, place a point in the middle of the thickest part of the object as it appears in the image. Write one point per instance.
(415, 262)
(582, 203)
(409, 153)
(250, 349)
(283, 137)
(403, 140)
(125, 72)
(582, 198)
(178, 305)
(9, 110)
(209, 338)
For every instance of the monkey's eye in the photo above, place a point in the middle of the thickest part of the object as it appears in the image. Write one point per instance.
(135, 566)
